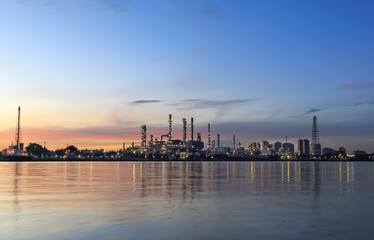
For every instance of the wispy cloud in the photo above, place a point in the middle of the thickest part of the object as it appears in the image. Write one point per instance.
(197, 8)
(20, 1)
(356, 86)
(117, 6)
(189, 104)
(141, 102)
(313, 110)
(270, 129)
(114, 6)
(363, 103)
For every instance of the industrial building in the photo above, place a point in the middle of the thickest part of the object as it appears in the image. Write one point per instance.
(303, 146)
(167, 146)
(16, 149)
(316, 146)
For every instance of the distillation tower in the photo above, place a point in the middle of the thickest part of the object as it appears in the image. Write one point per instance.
(185, 132)
(218, 142)
(233, 143)
(144, 136)
(170, 127)
(191, 130)
(209, 143)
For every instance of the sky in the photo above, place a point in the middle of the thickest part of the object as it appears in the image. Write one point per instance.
(91, 72)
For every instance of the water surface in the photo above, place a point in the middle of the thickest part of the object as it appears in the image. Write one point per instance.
(179, 200)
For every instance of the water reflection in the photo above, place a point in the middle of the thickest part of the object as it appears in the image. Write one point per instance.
(16, 178)
(121, 193)
(154, 178)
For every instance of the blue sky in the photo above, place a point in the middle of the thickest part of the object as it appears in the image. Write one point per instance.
(257, 69)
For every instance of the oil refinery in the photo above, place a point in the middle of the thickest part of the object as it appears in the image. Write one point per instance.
(166, 147)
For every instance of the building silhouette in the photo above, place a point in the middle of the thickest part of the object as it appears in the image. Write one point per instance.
(303, 146)
(316, 146)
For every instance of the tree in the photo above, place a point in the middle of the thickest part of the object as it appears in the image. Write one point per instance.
(36, 149)
(71, 149)
(60, 152)
(98, 154)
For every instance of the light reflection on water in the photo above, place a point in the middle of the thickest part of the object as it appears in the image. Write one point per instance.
(169, 200)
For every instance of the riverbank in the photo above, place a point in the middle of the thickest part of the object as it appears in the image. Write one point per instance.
(225, 159)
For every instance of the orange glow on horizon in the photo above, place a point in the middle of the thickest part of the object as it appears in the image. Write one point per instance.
(107, 138)
(83, 139)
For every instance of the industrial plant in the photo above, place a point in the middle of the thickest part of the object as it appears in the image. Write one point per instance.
(178, 149)
(167, 147)
(16, 148)
(190, 148)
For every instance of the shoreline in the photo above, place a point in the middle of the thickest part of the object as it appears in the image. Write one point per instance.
(228, 159)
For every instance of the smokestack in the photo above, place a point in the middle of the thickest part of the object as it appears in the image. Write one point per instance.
(209, 145)
(170, 127)
(185, 131)
(191, 129)
(218, 141)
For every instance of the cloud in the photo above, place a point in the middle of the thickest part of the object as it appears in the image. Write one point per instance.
(311, 110)
(141, 102)
(197, 8)
(190, 104)
(118, 7)
(246, 132)
(356, 86)
(332, 134)
(314, 110)
(20, 1)
(363, 103)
